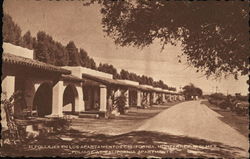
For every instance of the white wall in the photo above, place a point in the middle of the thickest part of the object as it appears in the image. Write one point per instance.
(17, 50)
(147, 86)
(130, 82)
(78, 70)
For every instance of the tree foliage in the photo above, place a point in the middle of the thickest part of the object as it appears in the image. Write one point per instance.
(214, 35)
(47, 50)
(191, 90)
(11, 31)
(107, 68)
(144, 80)
(27, 40)
(73, 54)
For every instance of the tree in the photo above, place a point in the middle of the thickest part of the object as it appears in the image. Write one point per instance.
(108, 69)
(214, 35)
(61, 54)
(73, 54)
(44, 49)
(11, 31)
(124, 74)
(27, 40)
(83, 57)
(199, 92)
(92, 64)
(191, 90)
(41, 50)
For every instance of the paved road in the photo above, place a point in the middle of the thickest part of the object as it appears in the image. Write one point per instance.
(194, 119)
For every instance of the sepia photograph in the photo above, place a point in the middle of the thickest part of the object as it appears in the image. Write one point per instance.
(125, 78)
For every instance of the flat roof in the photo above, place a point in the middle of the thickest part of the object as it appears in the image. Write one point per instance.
(108, 81)
(71, 78)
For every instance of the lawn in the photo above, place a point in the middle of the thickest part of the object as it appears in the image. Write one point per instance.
(238, 122)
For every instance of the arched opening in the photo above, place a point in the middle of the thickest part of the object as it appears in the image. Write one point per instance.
(42, 102)
(91, 97)
(70, 97)
(132, 97)
(151, 98)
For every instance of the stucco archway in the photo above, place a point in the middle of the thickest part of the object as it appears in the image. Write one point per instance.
(42, 101)
(70, 99)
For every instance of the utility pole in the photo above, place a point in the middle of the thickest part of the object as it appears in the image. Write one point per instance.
(216, 88)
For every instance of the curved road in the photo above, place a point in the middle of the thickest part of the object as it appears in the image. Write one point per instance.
(194, 119)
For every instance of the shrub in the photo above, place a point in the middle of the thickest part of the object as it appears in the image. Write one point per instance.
(241, 108)
(58, 124)
(13, 134)
(224, 105)
(120, 103)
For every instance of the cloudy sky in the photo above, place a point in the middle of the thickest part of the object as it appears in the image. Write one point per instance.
(70, 20)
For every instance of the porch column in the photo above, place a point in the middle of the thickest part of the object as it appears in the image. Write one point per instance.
(79, 105)
(154, 97)
(164, 98)
(57, 103)
(103, 98)
(148, 98)
(127, 98)
(8, 88)
(160, 94)
(138, 98)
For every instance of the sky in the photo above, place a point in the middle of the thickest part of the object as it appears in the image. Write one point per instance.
(70, 20)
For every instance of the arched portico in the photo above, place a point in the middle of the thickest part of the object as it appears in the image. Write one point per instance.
(42, 101)
(70, 99)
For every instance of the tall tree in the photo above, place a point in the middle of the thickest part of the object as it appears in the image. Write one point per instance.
(191, 90)
(27, 40)
(124, 74)
(92, 64)
(214, 35)
(108, 69)
(61, 54)
(41, 50)
(73, 54)
(11, 31)
(45, 49)
(83, 57)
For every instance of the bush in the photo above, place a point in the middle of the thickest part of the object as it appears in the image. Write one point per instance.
(218, 96)
(242, 108)
(242, 98)
(14, 134)
(120, 103)
(58, 124)
(224, 105)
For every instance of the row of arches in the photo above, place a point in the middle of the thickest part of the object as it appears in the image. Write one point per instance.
(42, 101)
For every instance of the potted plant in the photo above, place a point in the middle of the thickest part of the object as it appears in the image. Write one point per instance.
(120, 102)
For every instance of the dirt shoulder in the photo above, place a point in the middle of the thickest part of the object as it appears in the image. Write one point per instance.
(240, 123)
